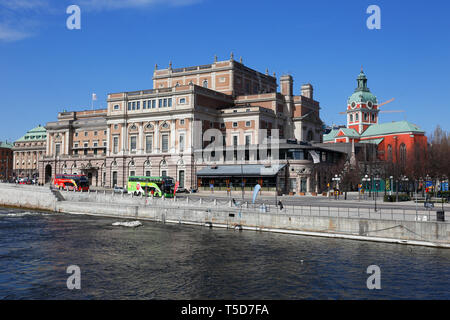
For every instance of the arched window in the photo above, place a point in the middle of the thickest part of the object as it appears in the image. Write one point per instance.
(351, 118)
(389, 152)
(205, 84)
(365, 116)
(403, 153)
(357, 117)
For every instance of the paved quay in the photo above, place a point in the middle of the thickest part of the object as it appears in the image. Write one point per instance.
(404, 225)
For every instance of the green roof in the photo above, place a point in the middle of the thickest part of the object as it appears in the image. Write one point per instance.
(362, 94)
(390, 128)
(35, 134)
(331, 135)
(351, 133)
(362, 97)
(6, 145)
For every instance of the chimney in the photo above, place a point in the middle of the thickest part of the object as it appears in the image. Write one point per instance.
(287, 84)
(307, 90)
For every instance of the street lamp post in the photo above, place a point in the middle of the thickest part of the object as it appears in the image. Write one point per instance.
(391, 179)
(366, 179)
(377, 185)
(336, 179)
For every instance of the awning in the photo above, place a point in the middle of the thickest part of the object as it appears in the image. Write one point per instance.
(246, 170)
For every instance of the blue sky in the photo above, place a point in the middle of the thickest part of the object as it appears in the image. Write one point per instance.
(46, 68)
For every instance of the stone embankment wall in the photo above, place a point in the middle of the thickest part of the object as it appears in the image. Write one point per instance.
(27, 196)
(226, 215)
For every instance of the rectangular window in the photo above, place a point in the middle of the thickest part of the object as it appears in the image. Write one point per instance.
(95, 144)
(95, 133)
(149, 144)
(181, 142)
(181, 178)
(75, 145)
(165, 143)
(247, 123)
(85, 134)
(164, 173)
(138, 105)
(114, 179)
(148, 173)
(57, 149)
(182, 122)
(144, 106)
(170, 102)
(133, 143)
(235, 124)
(86, 144)
(235, 141)
(133, 106)
(153, 104)
(183, 101)
(129, 106)
(132, 173)
(165, 103)
(116, 107)
(76, 134)
(95, 151)
(222, 125)
(248, 140)
(159, 103)
(116, 144)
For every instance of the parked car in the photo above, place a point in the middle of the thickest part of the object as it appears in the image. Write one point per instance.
(119, 190)
(181, 190)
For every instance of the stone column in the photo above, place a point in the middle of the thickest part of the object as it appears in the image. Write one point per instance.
(156, 137)
(108, 139)
(172, 137)
(141, 139)
(124, 138)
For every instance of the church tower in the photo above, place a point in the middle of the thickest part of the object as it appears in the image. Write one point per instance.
(362, 106)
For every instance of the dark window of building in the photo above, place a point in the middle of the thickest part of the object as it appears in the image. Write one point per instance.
(165, 143)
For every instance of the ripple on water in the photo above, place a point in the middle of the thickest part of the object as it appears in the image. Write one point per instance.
(158, 261)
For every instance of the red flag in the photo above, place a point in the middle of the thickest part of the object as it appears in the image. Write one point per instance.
(176, 187)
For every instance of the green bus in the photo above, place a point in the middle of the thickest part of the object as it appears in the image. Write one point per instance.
(158, 186)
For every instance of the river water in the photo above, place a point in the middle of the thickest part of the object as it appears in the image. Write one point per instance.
(158, 261)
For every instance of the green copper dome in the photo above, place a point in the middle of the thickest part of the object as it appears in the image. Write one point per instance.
(38, 133)
(362, 94)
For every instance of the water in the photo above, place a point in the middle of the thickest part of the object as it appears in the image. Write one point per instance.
(159, 261)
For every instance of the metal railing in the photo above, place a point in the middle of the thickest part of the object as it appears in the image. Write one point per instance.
(391, 214)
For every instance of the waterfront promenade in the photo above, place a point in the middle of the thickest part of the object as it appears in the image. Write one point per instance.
(387, 224)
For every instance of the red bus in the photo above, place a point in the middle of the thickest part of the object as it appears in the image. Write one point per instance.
(71, 182)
